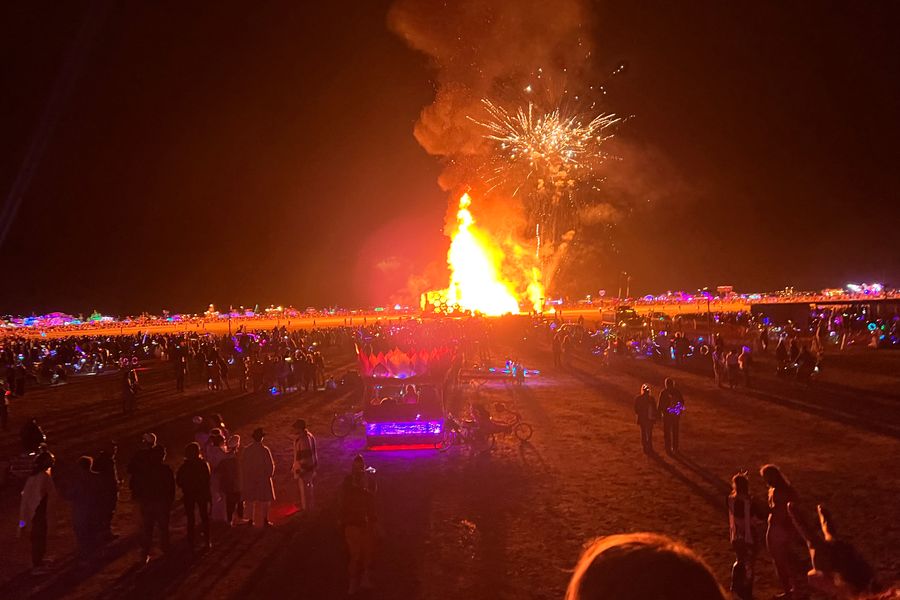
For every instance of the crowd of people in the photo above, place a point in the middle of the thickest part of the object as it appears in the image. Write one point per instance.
(225, 483)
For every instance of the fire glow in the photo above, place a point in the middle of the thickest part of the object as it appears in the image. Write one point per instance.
(477, 283)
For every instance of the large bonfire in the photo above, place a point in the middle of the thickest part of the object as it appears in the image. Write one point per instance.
(480, 280)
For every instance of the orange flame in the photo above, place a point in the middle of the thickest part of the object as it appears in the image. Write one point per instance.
(476, 280)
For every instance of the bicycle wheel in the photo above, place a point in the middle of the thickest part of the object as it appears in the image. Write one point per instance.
(523, 431)
(341, 425)
(448, 439)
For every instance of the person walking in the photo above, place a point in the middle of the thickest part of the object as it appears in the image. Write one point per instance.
(193, 479)
(645, 410)
(306, 463)
(154, 491)
(670, 408)
(358, 520)
(781, 533)
(33, 509)
(742, 516)
(257, 470)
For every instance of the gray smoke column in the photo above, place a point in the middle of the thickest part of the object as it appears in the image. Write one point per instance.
(489, 49)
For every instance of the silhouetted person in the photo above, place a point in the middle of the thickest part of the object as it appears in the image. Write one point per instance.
(645, 410)
(780, 533)
(838, 569)
(84, 494)
(32, 437)
(742, 517)
(358, 519)
(671, 405)
(257, 470)
(193, 479)
(34, 506)
(130, 388)
(640, 566)
(154, 491)
(105, 465)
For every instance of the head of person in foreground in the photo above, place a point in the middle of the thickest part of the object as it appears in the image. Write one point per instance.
(641, 566)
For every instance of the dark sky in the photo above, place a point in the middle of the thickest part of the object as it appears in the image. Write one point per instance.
(208, 152)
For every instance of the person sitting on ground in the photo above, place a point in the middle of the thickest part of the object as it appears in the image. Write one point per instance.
(639, 566)
(838, 570)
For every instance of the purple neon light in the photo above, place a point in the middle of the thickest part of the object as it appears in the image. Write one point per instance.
(390, 428)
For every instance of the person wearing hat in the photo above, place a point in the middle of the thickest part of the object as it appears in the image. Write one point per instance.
(306, 463)
(33, 508)
(257, 469)
(645, 409)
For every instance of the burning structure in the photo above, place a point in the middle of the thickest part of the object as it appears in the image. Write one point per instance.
(520, 134)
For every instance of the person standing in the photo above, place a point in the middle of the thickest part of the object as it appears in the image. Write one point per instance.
(193, 479)
(306, 464)
(645, 410)
(140, 460)
(257, 470)
(154, 491)
(741, 518)
(84, 494)
(745, 363)
(670, 407)
(34, 506)
(781, 357)
(5, 395)
(130, 388)
(781, 533)
(358, 520)
(230, 481)
(557, 350)
(215, 453)
(105, 465)
(180, 361)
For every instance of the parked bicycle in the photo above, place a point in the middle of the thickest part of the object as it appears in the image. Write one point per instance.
(343, 424)
(466, 432)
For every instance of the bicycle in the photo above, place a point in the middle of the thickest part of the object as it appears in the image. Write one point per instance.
(343, 424)
(461, 432)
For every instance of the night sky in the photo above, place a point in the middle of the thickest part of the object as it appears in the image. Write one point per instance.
(214, 153)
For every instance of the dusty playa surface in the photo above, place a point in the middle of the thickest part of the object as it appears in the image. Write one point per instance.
(509, 524)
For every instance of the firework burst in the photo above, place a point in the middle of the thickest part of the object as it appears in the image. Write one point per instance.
(546, 156)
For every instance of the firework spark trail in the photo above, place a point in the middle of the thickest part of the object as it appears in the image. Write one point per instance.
(551, 154)
(547, 142)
